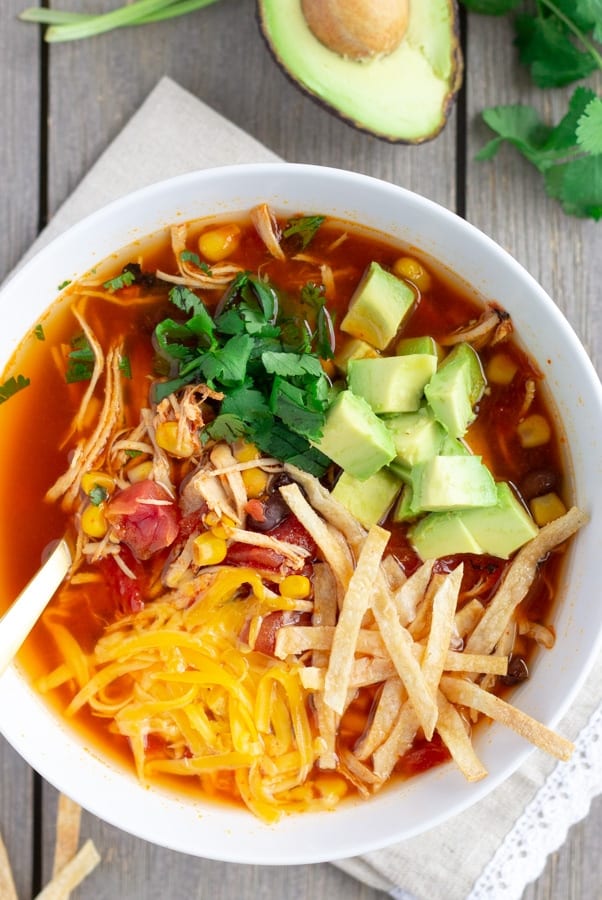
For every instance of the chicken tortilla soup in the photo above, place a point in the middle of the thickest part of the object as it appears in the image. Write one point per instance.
(317, 505)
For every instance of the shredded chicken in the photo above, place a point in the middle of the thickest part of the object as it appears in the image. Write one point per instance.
(492, 326)
(267, 229)
(209, 278)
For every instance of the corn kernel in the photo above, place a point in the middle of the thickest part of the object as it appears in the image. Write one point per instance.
(546, 508)
(534, 431)
(140, 472)
(94, 523)
(330, 784)
(91, 480)
(218, 243)
(245, 451)
(211, 519)
(295, 587)
(180, 445)
(409, 268)
(223, 528)
(208, 550)
(501, 369)
(255, 482)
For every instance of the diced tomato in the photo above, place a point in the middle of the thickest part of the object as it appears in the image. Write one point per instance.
(292, 531)
(144, 518)
(265, 642)
(126, 591)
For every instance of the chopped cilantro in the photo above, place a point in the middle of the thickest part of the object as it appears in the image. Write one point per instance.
(275, 390)
(303, 226)
(194, 258)
(12, 386)
(39, 332)
(63, 284)
(80, 360)
(125, 366)
(126, 279)
(97, 495)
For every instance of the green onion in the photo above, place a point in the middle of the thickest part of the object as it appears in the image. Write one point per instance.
(70, 26)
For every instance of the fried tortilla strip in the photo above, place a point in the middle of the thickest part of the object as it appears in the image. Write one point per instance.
(468, 617)
(8, 890)
(72, 874)
(457, 740)
(294, 639)
(339, 562)
(324, 616)
(475, 662)
(411, 594)
(360, 775)
(398, 742)
(355, 603)
(469, 694)
(442, 624)
(400, 645)
(68, 820)
(364, 671)
(519, 578)
(333, 511)
(385, 715)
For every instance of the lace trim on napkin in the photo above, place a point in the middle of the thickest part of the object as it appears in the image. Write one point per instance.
(563, 800)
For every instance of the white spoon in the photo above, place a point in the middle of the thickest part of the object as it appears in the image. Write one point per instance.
(19, 619)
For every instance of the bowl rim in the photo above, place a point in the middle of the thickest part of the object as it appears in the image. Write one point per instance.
(285, 851)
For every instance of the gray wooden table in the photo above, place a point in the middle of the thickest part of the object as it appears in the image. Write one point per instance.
(59, 108)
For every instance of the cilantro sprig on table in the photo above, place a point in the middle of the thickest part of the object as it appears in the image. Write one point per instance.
(266, 365)
(557, 40)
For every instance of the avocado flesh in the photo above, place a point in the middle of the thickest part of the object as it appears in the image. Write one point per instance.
(402, 97)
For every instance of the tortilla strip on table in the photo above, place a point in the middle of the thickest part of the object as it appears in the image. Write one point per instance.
(8, 891)
(71, 875)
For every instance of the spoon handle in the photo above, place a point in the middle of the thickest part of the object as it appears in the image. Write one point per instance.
(19, 619)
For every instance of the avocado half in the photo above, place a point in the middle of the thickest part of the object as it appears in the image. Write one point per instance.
(403, 97)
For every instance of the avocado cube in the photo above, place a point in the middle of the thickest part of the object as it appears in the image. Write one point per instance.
(370, 500)
(442, 534)
(354, 437)
(379, 305)
(455, 388)
(353, 348)
(453, 482)
(404, 510)
(423, 344)
(503, 528)
(392, 384)
(417, 436)
(454, 447)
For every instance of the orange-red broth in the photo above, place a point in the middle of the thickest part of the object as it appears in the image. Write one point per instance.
(35, 421)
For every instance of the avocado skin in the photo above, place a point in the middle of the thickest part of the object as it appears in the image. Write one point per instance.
(455, 84)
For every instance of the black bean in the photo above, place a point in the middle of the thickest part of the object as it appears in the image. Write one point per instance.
(517, 671)
(538, 482)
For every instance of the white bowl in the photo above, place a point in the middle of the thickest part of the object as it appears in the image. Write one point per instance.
(407, 809)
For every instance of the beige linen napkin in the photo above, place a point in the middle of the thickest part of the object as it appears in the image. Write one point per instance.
(499, 845)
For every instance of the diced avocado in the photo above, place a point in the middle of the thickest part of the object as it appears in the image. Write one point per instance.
(391, 384)
(453, 482)
(400, 470)
(454, 447)
(404, 510)
(378, 306)
(424, 344)
(455, 388)
(355, 438)
(442, 534)
(354, 348)
(370, 500)
(503, 528)
(417, 436)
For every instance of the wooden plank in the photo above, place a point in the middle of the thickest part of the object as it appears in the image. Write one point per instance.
(19, 148)
(19, 156)
(506, 199)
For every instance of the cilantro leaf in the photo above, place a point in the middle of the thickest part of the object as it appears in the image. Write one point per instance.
(12, 386)
(291, 364)
(225, 427)
(491, 7)
(545, 45)
(226, 365)
(589, 127)
(303, 226)
(80, 360)
(194, 258)
(120, 281)
(284, 444)
(39, 332)
(578, 186)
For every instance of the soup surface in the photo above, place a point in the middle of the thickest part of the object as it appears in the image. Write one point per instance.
(313, 542)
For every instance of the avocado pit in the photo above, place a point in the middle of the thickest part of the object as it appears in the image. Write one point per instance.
(357, 29)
